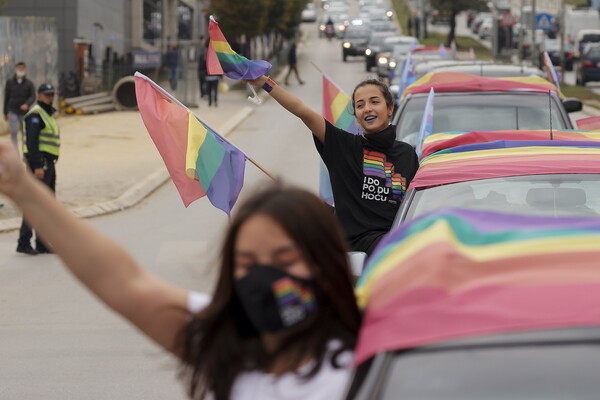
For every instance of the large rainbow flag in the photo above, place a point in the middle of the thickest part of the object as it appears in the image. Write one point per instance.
(200, 162)
(456, 274)
(462, 82)
(221, 59)
(337, 109)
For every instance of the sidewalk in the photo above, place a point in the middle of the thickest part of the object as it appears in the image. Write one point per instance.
(109, 163)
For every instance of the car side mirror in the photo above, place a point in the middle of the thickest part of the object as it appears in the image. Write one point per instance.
(572, 104)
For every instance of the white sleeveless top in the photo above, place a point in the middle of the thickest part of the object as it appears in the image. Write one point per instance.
(328, 384)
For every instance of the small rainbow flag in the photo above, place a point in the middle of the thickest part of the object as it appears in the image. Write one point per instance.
(550, 71)
(426, 127)
(337, 109)
(200, 161)
(589, 124)
(221, 59)
(456, 274)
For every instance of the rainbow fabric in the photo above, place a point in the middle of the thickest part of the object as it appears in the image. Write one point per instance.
(407, 77)
(589, 124)
(200, 162)
(337, 109)
(461, 82)
(221, 59)
(503, 158)
(426, 128)
(455, 274)
(447, 140)
(550, 71)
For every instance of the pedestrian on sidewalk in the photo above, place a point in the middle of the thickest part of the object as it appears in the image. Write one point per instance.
(212, 87)
(41, 150)
(202, 50)
(292, 62)
(369, 172)
(172, 65)
(19, 95)
(283, 317)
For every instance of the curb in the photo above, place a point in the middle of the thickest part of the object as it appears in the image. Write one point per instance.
(136, 193)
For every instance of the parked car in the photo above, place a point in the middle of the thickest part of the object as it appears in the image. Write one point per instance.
(491, 70)
(588, 67)
(552, 47)
(355, 41)
(585, 36)
(472, 103)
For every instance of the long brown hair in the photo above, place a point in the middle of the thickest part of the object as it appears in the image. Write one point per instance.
(220, 342)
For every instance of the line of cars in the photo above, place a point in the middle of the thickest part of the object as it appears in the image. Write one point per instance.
(502, 143)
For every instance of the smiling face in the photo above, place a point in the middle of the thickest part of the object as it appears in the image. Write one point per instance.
(371, 110)
(262, 241)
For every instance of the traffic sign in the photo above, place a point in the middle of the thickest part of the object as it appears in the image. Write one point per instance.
(544, 22)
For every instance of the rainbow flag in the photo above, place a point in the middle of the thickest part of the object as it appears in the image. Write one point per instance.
(507, 158)
(455, 274)
(589, 124)
(337, 109)
(407, 77)
(439, 142)
(426, 127)
(200, 161)
(221, 59)
(550, 71)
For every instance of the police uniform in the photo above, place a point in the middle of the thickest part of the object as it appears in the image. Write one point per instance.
(41, 148)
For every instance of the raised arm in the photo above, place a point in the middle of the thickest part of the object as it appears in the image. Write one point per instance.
(155, 307)
(312, 119)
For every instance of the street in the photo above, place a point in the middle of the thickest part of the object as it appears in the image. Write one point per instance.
(58, 342)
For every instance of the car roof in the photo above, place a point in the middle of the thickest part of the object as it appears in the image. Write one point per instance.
(463, 82)
(491, 70)
(455, 274)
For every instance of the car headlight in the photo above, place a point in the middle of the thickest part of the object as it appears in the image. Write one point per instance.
(322, 27)
(389, 14)
(341, 28)
(368, 52)
(382, 60)
(392, 64)
(347, 45)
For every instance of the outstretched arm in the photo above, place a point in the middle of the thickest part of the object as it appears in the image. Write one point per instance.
(155, 307)
(312, 119)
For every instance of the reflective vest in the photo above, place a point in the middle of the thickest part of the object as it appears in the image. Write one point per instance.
(49, 136)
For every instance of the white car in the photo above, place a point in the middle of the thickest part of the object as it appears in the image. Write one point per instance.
(309, 14)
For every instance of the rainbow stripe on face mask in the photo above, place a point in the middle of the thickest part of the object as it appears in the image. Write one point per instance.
(288, 292)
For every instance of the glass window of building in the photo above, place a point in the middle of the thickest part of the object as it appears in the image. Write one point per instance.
(152, 20)
(184, 21)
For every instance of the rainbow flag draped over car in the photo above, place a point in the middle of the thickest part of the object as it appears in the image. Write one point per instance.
(443, 82)
(456, 274)
(221, 59)
(199, 161)
(337, 109)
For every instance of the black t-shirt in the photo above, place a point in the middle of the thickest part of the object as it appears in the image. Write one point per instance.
(369, 177)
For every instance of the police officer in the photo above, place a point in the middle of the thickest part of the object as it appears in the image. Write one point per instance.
(41, 149)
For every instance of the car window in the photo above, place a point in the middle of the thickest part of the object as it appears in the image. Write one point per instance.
(554, 371)
(590, 38)
(550, 195)
(356, 33)
(472, 112)
(593, 52)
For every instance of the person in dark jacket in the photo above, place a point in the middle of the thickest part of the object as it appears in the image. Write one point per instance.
(172, 65)
(292, 61)
(41, 149)
(19, 95)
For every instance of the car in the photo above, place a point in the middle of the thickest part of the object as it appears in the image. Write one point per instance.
(392, 68)
(468, 304)
(355, 41)
(588, 67)
(340, 22)
(585, 36)
(552, 47)
(465, 102)
(309, 14)
(439, 17)
(374, 47)
(491, 70)
(386, 48)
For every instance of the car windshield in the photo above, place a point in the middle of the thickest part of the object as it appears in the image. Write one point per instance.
(594, 52)
(521, 371)
(591, 38)
(549, 195)
(479, 111)
(377, 40)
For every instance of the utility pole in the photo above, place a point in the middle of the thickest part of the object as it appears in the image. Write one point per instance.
(534, 60)
(563, 20)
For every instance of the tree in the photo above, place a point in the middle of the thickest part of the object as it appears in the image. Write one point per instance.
(453, 7)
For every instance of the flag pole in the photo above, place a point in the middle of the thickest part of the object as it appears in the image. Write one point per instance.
(172, 98)
(317, 67)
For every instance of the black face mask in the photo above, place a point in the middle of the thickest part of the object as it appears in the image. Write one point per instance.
(275, 300)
